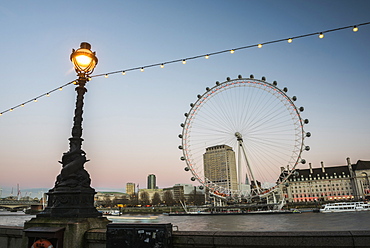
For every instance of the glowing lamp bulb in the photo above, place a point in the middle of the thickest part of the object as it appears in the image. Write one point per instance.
(355, 29)
(232, 51)
(321, 35)
(123, 73)
(259, 45)
(83, 60)
(290, 40)
(183, 61)
(207, 56)
(142, 69)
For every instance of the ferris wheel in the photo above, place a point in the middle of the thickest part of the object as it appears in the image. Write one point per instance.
(243, 138)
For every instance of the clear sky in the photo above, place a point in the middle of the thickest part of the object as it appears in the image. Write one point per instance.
(131, 122)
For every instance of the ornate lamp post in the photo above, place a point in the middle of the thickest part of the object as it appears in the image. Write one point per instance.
(72, 195)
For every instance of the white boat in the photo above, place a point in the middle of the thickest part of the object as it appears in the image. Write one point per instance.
(338, 207)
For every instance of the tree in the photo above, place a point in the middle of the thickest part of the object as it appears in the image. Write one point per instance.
(156, 200)
(144, 198)
(107, 202)
(168, 198)
(196, 197)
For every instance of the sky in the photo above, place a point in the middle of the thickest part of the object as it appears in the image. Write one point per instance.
(131, 122)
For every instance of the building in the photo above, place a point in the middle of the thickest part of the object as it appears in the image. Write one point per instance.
(152, 184)
(337, 183)
(149, 194)
(187, 193)
(220, 167)
(130, 188)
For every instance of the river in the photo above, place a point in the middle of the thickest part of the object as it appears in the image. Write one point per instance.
(280, 222)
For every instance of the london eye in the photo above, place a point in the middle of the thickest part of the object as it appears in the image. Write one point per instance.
(240, 135)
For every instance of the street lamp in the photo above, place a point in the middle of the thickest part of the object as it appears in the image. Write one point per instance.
(72, 195)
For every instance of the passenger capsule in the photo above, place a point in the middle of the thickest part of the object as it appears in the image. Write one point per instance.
(186, 169)
(180, 136)
(301, 109)
(294, 98)
(201, 187)
(217, 83)
(207, 89)
(303, 161)
(180, 147)
(263, 78)
(285, 89)
(182, 125)
(182, 158)
(251, 76)
(306, 121)
(191, 104)
(199, 96)
(193, 178)
(186, 114)
(274, 83)
(228, 79)
(308, 134)
(307, 148)
(240, 76)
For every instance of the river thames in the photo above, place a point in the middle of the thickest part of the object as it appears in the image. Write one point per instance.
(262, 222)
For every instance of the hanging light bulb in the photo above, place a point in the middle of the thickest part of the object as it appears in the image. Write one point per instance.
(1, 114)
(207, 56)
(22, 105)
(123, 73)
(35, 100)
(162, 65)
(48, 94)
(142, 69)
(355, 29)
(184, 61)
(60, 88)
(259, 45)
(232, 51)
(11, 110)
(106, 76)
(290, 40)
(74, 82)
(321, 35)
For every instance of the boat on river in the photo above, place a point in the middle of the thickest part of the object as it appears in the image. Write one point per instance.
(338, 207)
(252, 209)
(212, 213)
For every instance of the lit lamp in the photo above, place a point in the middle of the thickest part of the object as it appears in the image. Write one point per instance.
(84, 60)
(72, 195)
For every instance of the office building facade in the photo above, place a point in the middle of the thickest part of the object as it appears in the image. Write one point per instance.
(152, 184)
(220, 166)
(335, 183)
(130, 188)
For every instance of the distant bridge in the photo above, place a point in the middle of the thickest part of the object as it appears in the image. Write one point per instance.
(13, 204)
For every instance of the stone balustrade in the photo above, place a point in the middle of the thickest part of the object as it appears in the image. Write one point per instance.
(11, 237)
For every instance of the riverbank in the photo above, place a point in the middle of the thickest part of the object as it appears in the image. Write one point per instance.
(11, 237)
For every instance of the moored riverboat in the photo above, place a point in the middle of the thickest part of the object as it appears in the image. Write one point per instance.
(338, 207)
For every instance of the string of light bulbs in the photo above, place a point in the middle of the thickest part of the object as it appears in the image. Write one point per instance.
(321, 35)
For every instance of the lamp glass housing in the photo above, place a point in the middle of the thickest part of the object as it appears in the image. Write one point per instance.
(83, 59)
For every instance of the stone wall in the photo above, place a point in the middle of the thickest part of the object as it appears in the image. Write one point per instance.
(11, 237)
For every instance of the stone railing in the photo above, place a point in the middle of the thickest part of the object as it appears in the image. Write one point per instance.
(11, 237)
